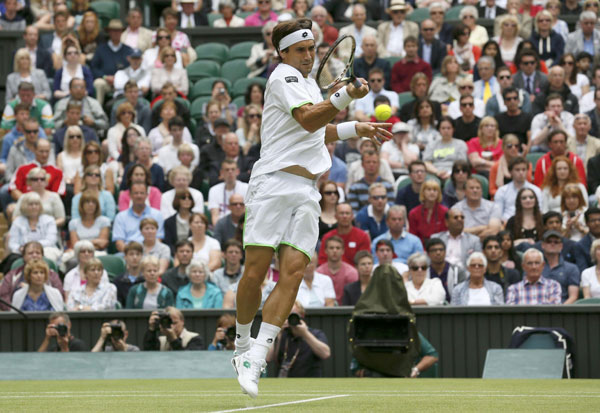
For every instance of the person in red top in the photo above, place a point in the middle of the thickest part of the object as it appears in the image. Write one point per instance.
(340, 272)
(486, 148)
(557, 141)
(18, 184)
(319, 15)
(355, 239)
(528, 7)
(405, 69)
(429, 217)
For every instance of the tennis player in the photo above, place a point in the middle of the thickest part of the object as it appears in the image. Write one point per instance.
(282, 202)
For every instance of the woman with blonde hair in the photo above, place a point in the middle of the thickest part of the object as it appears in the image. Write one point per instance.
(92, 155)
(509, 39)
(70, 159)
(573, 205)
(52, 204)
(36, 294)
(590, 277)
(549, 44)
(169, 73)
(94, 295)
(429, 217)
(558, 25)
(249, 133)
(24, 72)
(444, 88)
(559, 175)
(469, 15)
(151, 57)
(486, 147)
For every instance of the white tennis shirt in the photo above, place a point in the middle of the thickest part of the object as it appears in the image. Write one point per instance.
(284, 141)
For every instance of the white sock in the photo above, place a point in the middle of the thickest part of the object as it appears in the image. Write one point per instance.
(242, 333)
(264, 341)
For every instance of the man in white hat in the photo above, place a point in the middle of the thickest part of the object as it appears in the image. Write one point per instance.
(391, 34)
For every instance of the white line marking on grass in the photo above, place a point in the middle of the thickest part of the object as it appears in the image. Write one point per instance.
(282, 404)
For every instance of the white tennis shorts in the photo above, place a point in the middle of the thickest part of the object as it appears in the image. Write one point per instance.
(282, 208)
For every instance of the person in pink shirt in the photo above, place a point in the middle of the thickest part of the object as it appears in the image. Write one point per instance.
(340, 272)
(263, 15)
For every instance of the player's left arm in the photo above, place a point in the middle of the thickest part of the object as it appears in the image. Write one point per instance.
(377, 132)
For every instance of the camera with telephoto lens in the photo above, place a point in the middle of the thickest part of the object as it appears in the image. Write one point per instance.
(294, 319)
(61, 329)
(164, 320)
(229, 336)
(116, 331)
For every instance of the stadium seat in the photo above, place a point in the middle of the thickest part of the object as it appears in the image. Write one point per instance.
(241, 85)
(239, 101)
(392, 59)
(196, 111)
(586, 301)
(404, 98)
(213, 17)
(213, 51)
(203, 87)
(113, 264)
(453, 13)
(19, 262)
(201, 69)
(241, 50)
(244, 14)
(106, 10)
(234, 70)
(533, 157)
(418, 15)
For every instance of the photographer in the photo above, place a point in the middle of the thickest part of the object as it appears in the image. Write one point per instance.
(113, 337)
(299, 349)
(58, 335)
(225, 334)
(173, 335)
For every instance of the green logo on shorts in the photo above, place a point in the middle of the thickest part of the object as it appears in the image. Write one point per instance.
(247, 364)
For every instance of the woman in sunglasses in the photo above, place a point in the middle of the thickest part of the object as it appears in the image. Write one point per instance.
(71, 158)
(169, 73)
(509, 39)
(151, 57)
(125, 121)
(422, 290)
(577, 82)
(476, 290)
(454, 189)
(249, 133)
(37, 180)
(499, 173)
(92, 184)
(329, 199)
(92, 155)
(469, 15)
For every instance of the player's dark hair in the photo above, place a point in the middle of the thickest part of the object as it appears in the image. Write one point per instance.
(284, 28)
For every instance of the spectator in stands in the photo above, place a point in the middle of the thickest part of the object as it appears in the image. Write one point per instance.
(94, 295)
(177, 226)
(557, 141)
(391, 33)
(316, 289)
(385, 255)
(529, 77)
(36, 294)
(555, 118)
(365, 107)
(72, 118)
(90, 224)
(372, 217)
(358, 29)
(499, 174)
(176, 277)
(199, 292)
(330, 196)
(409, 194)
(486, 148)
(125, 117)
(506, 196)
(150, 294)
(70, 159)
(444, 88)
(173, 336)
(399, 152)
(151, 57)
(92, 183)
(126, 224)
(219, 194)
(403, 242)
(93, 114)
(339, 170)
(490, 10)
(496, 104)
(510, 258)
(319, 15)
(262, 54)
(551, 44)
(589, 102)
(249, 132)
(299, 350)
(460, 244)
(139, 174)
(358, 192)
(424, 123)
(487, 86)
(455, 187)
(555, 268)
(153, 246)
(168, 154)
(560, 173)
(233, 269)
(263, 15)
(587, 38)
(227, 226)
(179, 40)
(467, 125)
(40, 58)
(431, 50)
(469, 15)
(514, 121)
(132, 275)
(477, 290)
(180, 178)
(495, 271)
(556, 85)
(15, 134)
(143, 152)
(59, 328)
(371, 60)
(583, 144)
(205, 247)
(84, 251)
(558, 25)
(190, 17)
(589, 278)
(134, 74)
(168, 72)
(440, 155)
(419, 85)
(450, 275)
(160, 136)
(53, 41)
(336, 265)
(89, 36)
(443, 31)
(592, 220)
(466, 54)
(23, 151)
(229, 19)
(468, 112)
(364, 267)
(404, 70)
(24, 71)
(526, 226)
(578, 83)
(71, 69)
(573, 205)
(39, 109)
(135, 35)
(534, 288)
(116, 340)
(428, 218)
(420, 289)
(11, 19)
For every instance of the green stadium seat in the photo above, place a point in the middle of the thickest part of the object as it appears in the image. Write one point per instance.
(106, 10)
(113, 264)
(234, 70)
(241, 85)
(213, 17)
(404, 98)
(239, 101)
(203, 87)
(19, 262)
(418, 15)
(196, 111)
(201, 69)
(213, 51)
(533, 157)
(453, 13)
(241, 50)
(392, 59)
(244, 14)
(585, 301)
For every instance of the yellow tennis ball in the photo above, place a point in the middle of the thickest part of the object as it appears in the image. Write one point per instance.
(383, 112)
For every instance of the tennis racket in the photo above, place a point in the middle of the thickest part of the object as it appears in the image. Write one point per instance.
(335, 67)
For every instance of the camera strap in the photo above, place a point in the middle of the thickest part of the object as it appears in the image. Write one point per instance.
(285, 352)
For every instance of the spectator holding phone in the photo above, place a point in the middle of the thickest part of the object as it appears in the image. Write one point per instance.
(113, 337)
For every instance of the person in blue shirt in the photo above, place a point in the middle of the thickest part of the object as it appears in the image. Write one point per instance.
(372, 217)
(556, 268)
(404, 243)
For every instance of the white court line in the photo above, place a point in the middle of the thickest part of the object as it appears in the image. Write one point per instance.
(281, 404)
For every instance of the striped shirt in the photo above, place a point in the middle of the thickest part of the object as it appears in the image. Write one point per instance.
(358, 194)
(543, 291)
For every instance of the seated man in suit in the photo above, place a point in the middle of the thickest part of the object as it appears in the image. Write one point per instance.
(529, 77)
(459, 244)
(188, 17)
(431, 49)
(40, 57)
(136, 36)
(358, 29)
(490, 10)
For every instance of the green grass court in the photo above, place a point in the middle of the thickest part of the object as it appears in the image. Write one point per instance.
(303, 395)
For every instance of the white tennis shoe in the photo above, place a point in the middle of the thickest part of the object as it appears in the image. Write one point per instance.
(248, 371)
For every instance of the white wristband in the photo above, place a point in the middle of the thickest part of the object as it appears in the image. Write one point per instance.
(340, 99)
(347, 130)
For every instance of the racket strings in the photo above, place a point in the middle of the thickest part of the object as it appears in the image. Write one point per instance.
(336, 64)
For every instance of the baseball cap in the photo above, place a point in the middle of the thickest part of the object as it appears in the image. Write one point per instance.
(551, 233)
(400, 127)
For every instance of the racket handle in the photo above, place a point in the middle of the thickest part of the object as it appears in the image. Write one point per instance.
(357, 83)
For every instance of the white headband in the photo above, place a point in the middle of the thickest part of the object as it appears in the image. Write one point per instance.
(295, 37)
